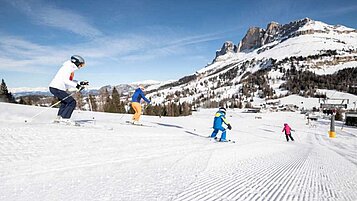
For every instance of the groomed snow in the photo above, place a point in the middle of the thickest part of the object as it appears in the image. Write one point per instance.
(173, 159)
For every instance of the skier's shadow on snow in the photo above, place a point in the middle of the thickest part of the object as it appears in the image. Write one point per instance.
(195, 134)
(180, 127)
(84, 121)
(169, 125)
(271, 125)
(267, 130)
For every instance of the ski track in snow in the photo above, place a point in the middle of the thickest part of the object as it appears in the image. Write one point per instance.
(174, 159)
(299, 174)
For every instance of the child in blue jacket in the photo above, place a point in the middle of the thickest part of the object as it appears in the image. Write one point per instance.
(219, 119)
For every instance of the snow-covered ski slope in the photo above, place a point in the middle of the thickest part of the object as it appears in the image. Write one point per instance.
(173, 159)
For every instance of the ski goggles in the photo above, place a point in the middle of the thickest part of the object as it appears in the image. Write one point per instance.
(81, 65)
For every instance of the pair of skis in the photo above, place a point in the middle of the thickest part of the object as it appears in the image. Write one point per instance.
(216, 139)
(90, 124)
(81, 123)
(136, 124)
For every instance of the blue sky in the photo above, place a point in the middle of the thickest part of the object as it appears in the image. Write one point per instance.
(127, 41)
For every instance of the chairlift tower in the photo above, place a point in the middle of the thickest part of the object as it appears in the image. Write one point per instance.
(339, 103)
(331, 108)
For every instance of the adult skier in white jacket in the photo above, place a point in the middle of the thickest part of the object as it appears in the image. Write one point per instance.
(62, 81)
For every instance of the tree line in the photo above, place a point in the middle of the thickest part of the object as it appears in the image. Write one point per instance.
(113, 102)
(307, 82)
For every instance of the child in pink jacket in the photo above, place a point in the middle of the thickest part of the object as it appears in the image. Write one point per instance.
(287, 130)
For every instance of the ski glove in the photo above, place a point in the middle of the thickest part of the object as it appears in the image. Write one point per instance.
(80, 87)
(229, 126)
(84, 83)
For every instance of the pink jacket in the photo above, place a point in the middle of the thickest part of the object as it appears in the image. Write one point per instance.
(287, 129)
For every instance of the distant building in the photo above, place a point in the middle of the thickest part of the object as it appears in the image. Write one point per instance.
(351, 118)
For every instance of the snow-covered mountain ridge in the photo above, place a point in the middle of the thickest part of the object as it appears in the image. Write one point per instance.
(257, 37)
(264, 60)
(295, 58)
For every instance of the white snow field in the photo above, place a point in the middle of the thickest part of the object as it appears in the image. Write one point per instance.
(172, 159)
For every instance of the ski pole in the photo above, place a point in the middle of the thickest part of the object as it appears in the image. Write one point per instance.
(52, 106)
(90, 107)
(90, 104)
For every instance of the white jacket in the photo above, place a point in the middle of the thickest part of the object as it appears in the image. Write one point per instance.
(62, 79)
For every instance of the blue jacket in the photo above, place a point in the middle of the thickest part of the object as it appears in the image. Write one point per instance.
(138, 94)
(219, 118)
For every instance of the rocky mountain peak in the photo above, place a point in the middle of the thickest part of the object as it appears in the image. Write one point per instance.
(257, 37)
(268, 63)
(273, 28)
(252, 39)
(228, 47)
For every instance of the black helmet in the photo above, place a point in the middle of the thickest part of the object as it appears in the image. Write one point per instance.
(77, 60)
(222, 109)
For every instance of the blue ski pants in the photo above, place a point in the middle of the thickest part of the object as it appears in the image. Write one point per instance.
(216, 130)
(67, 105)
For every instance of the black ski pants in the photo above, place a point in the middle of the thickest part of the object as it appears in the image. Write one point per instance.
(287, 137)
(67, 104)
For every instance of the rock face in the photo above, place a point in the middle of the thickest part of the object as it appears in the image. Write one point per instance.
(228, 46)
(294, 57)
(252, 40)
(271, 32)
(257, 37)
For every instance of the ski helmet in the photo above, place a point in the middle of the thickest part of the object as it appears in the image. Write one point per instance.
(222, 109)
(77, 60)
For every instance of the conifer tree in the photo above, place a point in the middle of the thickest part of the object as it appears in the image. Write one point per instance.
(149, 110)
(105, 99)
(78, 98)
(5, 96)
(93, 102)
(114, 102)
